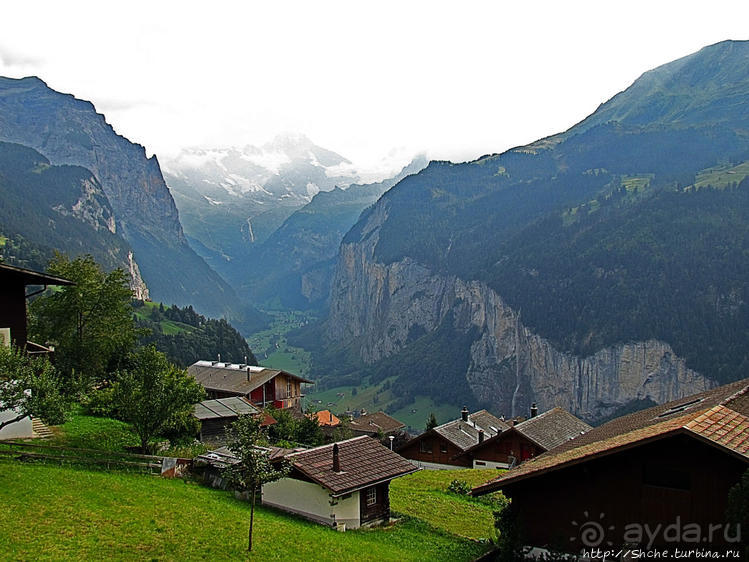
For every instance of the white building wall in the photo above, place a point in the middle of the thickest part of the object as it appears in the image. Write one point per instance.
(434, 465)
(19, 430)
(489, 464)
(313, 502)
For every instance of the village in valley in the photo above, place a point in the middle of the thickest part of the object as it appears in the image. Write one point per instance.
(369, 282)
(536, 478)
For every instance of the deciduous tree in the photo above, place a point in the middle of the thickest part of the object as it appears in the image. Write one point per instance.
(151, 392)
(253, 468)
(90, 323)
(31, 387)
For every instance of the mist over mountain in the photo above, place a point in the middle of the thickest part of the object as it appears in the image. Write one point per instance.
(589, 270)
(295, 264)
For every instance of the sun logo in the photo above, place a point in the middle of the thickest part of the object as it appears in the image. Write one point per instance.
(591, 533)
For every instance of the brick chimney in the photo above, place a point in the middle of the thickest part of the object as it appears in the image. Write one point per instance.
(464, 414)
(534, 410)
(336, 460)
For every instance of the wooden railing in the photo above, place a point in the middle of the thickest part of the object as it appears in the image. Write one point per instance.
(107, 460)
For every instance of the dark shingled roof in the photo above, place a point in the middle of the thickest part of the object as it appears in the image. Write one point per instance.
(228, 377)
(548, 430)
(363, 462)
(30, 277)
(552, 428)
(466, 434)
(378, 421)
(719, 416)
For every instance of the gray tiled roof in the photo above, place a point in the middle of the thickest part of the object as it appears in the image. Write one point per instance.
(466, 434)
(552, 428)
(223, 408)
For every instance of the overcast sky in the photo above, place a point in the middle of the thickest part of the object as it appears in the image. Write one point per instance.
(366, 79)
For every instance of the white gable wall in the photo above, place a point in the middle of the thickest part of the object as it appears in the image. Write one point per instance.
(312, 501)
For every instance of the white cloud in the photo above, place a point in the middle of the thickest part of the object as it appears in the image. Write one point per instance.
(358, 78)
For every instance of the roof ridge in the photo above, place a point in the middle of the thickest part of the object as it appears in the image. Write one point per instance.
(321, 447)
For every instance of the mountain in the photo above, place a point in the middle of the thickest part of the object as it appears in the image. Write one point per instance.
(597, 269)
(45, 207)
(295, 264)
(69, 131)
(231, 199)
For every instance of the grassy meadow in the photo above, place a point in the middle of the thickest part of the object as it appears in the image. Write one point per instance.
(55, 512)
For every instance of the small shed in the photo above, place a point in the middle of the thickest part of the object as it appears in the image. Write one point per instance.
(216, 415)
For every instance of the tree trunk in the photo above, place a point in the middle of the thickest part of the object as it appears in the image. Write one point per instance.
(252, 518)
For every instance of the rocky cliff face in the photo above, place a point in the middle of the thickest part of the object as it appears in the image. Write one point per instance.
(68, 130)
(375, 307)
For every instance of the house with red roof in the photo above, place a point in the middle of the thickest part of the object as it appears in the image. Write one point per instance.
(656, 478)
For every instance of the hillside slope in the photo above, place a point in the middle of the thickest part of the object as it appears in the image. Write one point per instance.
(67, 130)
(580, 271)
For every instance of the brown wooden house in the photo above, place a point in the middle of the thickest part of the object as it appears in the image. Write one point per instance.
(669, 467)
(13, 296)
(261, 386)
(442, 446)
(527, 439)
(345, 484)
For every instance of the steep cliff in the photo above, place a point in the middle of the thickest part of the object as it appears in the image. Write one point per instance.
(68, 130)
(377, 308)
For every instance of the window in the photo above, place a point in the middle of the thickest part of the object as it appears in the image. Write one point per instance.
(425, 446)
(443, 448)
(371, 496)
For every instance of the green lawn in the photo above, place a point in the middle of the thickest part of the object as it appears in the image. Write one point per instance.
(372, 398)
(57, 513)
(271, 348)
(424, 495)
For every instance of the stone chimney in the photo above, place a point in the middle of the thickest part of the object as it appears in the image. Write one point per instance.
(464, 414)
(336, 460)
(481, 435)
(534, 410)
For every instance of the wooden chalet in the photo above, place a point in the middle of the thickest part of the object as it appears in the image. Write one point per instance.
(527, 439)
(345, 484)
(13, 296)
(260, 385)
(442, 446)
(375, 424)
(667, 467)
(216, 415)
